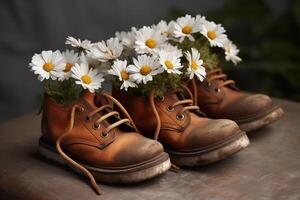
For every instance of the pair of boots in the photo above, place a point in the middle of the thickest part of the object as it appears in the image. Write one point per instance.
(125, 138)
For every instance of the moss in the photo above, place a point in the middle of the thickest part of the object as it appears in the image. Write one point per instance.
(160, 83)
(63, 92)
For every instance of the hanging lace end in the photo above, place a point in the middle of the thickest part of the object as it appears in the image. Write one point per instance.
(96, 187)
(174, 168)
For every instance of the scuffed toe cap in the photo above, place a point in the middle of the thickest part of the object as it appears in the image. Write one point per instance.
(257, 101)
(213, 133)
(250, 106)
(127, 150)
(138, 149)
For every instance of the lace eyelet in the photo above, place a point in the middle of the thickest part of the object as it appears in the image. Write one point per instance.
(80, 109)
(96, 126)
(170, 109)
(217, 90)
(87, 118)
(104, 134)
(161, 98)
(180, 117)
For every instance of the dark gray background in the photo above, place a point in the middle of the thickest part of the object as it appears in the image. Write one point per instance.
(29, 26)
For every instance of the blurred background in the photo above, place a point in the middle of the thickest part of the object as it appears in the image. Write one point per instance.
(266, 31)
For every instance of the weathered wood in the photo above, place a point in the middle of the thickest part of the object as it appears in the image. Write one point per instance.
(268, 169)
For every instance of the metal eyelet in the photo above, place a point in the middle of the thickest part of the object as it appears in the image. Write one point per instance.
(161, 98)
(96, 126)
(87, 118)
(80, 109)
(170, 109)
(217, 90)
(180, 117)
(104, 134)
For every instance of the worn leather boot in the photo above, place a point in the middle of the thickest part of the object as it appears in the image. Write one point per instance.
(220, 98)
(94, 140)
(190, 138)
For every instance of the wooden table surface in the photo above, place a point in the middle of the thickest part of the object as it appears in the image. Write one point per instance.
(269, 169)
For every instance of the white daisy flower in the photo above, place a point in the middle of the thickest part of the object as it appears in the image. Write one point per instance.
(164, 28)
(69, 58)
(88, 78)
(200, 20)
(231, 52)
(170, 62)
(126, 38)
(172, 49)
(47, 65)
(148, 40)
(214, 33)
(91, 62)
(84, 44)
(195, 65)
(119, 69)
(185, 27)
(144, 68)
(106, 51)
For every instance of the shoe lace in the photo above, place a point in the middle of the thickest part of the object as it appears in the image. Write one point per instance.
(217, 74)
(187, 105)
(78, 108)
(214, 74)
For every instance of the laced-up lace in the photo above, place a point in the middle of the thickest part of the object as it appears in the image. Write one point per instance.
(187, 104)
(214, 74)
(78, 108)
(217, 74)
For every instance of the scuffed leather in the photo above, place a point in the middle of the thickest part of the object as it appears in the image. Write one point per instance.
(121, 148)
(193, 133)
(229, 102)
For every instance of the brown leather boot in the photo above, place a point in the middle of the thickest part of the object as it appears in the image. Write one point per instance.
(220, 98)
(97, 142)
(189, 138)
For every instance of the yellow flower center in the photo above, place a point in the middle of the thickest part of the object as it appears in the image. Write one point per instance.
(86, 79)
(145, 70)
(169, 64)
(151, 43)
(124, 75)
(228, 50)
(194, 65)
(48, 67)
(187, 29)
(211, 35)
(68, 67)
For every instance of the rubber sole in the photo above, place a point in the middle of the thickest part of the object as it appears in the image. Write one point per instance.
(263, 121)
(138, 173)
(221, 152)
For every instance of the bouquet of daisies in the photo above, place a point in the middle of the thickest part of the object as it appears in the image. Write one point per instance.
(165, 55)
(66, 74)
(158, 57)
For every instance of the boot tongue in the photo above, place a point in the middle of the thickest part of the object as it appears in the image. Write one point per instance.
(89, 97)
(172, 96)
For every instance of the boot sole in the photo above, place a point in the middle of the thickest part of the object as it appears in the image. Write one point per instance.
(217, 153)
(138, 173)
(263, 121)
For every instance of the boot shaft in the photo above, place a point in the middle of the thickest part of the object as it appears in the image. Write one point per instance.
(55, 118)
(139, 109)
